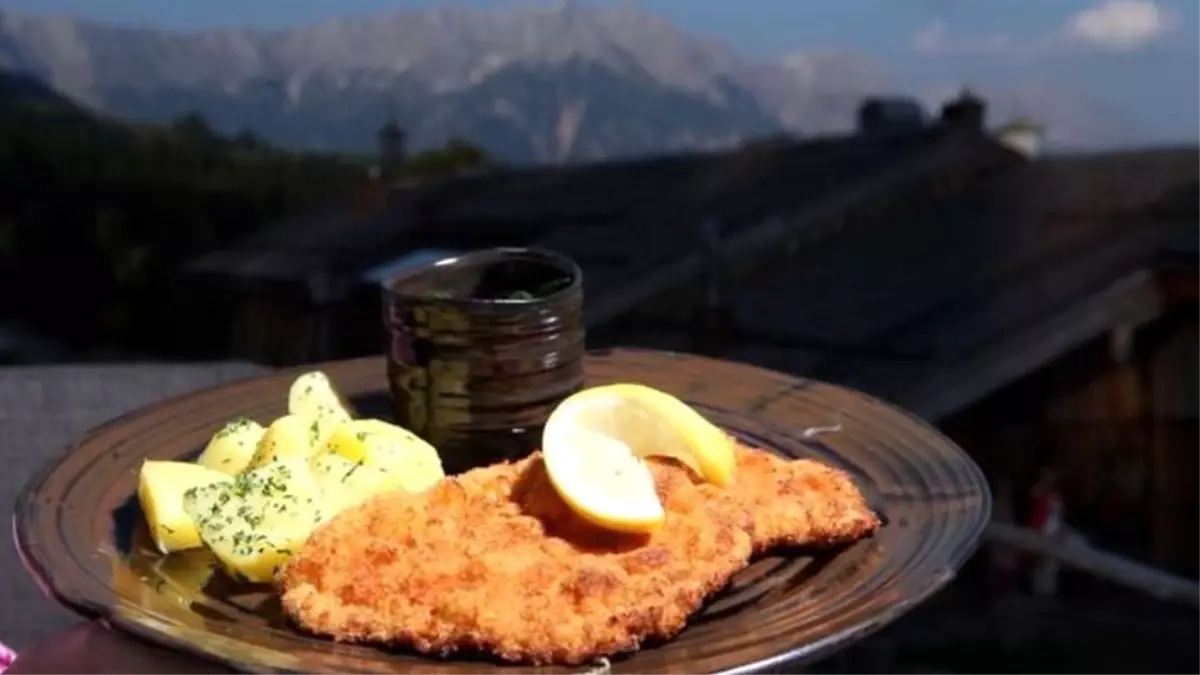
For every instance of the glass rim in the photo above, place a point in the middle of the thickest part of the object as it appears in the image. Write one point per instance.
(487, 256)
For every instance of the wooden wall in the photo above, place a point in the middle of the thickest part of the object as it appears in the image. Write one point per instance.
(1121, 434)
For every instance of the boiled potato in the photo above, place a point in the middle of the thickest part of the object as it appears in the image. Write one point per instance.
(254, 523)
(326, 425)
(313, 394)
(384, 447)
(161, 489)
(289, 437)
(344, 484)
(232, 447)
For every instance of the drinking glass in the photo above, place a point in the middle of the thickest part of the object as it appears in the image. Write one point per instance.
(480, 349)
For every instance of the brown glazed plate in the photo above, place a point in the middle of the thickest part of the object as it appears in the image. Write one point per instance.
(80, 533)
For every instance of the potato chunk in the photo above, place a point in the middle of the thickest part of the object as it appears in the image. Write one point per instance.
(314, 395)
(232, 447)
(344, 484)
(413, 464)
(254, 523)
(289, 437)
(161, 489)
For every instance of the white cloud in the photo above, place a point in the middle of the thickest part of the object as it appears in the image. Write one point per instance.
(1112, 24)
(1119, 24)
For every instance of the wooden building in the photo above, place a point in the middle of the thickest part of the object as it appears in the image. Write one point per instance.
(1043, 310)
(1046, 317)
(302, 290)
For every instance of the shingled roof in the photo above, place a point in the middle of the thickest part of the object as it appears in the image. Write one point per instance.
(588, 211)
(776, 208)
(987, 240)
(1026, 265)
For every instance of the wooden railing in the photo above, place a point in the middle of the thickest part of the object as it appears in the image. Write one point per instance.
(1074, 552)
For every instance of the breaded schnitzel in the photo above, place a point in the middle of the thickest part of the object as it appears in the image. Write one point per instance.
(493, 560)
(798, 502)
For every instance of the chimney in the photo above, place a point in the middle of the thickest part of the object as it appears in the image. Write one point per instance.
(391, 148)
(881, 116)
(966, 113)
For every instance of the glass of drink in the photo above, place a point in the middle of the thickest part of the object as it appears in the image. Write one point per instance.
(481, 347)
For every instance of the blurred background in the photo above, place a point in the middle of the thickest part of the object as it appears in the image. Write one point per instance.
(983, 211)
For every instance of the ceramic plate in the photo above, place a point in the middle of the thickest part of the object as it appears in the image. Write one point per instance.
(80, 531)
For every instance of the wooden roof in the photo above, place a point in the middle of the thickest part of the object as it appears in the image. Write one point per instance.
(1105, 210)
(957, 297)
(657, 200)
(1026, 265)
(1104, 184)
(771, 210)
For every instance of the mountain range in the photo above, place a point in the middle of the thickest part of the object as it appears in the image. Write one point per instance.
(540, 82)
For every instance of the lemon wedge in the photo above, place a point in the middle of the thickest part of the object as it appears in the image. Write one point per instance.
(594, 441)
(652, 423)
(601, 479)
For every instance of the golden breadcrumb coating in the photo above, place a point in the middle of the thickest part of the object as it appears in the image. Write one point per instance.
(494, 561)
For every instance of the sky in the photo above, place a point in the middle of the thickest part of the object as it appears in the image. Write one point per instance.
(1135, 56)
(759, 27)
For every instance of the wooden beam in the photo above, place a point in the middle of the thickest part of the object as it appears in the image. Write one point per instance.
(1077, 554)
(1133, 299)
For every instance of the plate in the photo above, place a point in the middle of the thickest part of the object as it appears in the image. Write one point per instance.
(79, 530)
